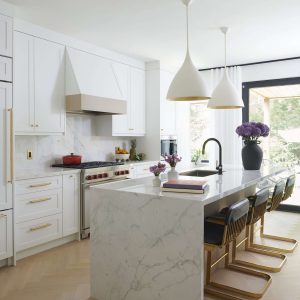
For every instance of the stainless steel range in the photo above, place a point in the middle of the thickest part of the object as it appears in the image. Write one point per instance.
(94, 173)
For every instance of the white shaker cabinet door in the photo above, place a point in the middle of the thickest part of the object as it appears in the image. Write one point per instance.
(121, 122)
(6, 237)
(23, 83)
(137, 102)
(6, 34)
(6, 172)
(71, 196)
(49, 86)
(167, 108)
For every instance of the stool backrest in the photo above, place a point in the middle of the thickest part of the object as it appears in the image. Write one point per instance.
(258, 206)
(289, 187)
(235, 221)
(277, 195)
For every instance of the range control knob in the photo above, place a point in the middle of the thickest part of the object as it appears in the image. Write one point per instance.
(105, 175)
(122, 172)
(117, 173)
(100, 175)
(127, 172)
(94, 176)
(88, 177)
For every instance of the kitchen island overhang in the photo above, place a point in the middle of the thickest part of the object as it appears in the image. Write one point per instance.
(146, 244)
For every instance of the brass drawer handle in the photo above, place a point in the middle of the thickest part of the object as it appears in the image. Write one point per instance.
(131, 128)
(40, 227)
(39, 200)
(40, 184)
(11, 148)
(3, 216)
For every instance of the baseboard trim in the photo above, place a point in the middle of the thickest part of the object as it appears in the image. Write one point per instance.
(45, 247)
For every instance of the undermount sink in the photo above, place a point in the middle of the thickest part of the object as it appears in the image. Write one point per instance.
(199, 173)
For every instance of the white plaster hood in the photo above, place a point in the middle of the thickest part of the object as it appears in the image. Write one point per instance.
(92, 84)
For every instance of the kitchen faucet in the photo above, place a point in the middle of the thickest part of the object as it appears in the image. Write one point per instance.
(219, 167)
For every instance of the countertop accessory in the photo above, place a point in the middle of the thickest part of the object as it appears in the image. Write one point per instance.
(225, 95)
(72, 159)
(132, 150)
(157, 170)
(172, 160)
(252, 154)
(187, 84)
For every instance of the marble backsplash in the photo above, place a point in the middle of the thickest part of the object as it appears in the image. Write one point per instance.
(80, 138)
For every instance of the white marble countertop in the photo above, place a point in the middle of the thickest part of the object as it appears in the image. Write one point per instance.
(45, 172)
(219, 186)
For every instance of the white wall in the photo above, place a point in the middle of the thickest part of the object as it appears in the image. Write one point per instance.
(81, 138)
(274, 70)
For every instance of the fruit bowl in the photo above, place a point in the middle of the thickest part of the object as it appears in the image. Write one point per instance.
(122, 156)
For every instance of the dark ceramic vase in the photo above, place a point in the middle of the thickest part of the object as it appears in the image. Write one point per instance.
(252, 156)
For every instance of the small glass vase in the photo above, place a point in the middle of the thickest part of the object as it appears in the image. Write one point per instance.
(172, 174)
(156, 181)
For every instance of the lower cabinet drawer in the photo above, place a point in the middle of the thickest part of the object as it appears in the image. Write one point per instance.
(39, 231)
(37, 184)
(37, 205)
(142, 170)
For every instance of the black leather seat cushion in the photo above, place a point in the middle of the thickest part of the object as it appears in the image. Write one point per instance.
(213, 233)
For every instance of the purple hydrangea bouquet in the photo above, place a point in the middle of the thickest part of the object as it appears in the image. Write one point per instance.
(157, 169)
(252, 154)
(172, 159)
(252, 131)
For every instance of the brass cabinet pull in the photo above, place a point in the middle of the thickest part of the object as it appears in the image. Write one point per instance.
(36, 125)
(131, 128)
(40, 227)
(39, 200)
(3, 216)
(40, 184)
(11, 150)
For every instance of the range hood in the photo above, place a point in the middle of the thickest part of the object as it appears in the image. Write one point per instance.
(93, 85)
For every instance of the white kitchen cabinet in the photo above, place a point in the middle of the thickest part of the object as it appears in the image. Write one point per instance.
(39, 88)
(6, 34)
(38, 231)
(71, 198)
(6, 237)
(6, 172)
(5, 69)
(133, 123)
(167, 108)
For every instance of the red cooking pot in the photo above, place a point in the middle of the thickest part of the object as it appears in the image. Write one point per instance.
(72, 159)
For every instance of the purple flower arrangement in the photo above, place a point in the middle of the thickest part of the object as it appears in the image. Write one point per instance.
(173, 159)
(157, 169)
(251, 131)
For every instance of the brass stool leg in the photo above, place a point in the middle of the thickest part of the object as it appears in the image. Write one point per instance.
(277, 238)
(234, 268)
(249, 248)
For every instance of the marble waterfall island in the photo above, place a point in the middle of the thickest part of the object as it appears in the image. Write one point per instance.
(147, 244)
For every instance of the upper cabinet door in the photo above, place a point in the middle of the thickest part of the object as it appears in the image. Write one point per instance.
(167, 108)
(49, 86)
(5, 146)
(6, 34)
(23, 83)
(137, 102)
(121, 123)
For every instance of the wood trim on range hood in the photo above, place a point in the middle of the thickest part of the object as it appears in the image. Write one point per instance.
(81, 103)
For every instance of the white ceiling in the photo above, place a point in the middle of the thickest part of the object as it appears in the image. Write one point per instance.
(154, 29)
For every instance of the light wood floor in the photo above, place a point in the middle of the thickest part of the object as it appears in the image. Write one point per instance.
(63, 273)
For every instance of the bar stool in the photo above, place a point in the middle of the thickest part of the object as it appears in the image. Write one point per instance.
(281, 191)
(257, 209)
(220, 230)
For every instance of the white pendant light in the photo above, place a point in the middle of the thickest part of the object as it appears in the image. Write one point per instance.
(225, 95)
(187, 84)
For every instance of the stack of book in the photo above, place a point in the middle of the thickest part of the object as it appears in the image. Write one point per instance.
(185, 186)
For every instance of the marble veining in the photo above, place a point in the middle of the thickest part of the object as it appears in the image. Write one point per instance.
(81, 138)
(133, 260)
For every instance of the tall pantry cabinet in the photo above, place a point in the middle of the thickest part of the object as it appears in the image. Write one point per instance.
(6, 137)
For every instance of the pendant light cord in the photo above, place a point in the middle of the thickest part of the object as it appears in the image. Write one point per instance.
(187, 28)
(225, 52)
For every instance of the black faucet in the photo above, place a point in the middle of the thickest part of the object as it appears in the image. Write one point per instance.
(219, 167)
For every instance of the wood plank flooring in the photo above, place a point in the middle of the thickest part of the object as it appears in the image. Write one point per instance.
(63, 273)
